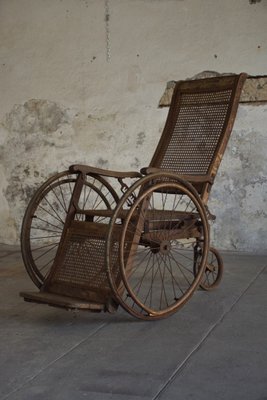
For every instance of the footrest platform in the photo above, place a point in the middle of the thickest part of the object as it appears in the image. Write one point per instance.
(57, 300)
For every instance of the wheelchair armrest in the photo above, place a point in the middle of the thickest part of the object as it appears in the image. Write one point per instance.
(187, 177)
(87, 169)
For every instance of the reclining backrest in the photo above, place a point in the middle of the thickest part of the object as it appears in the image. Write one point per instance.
(198, 125)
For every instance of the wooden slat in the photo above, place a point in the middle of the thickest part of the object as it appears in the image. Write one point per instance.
(56, 300)
(190, 178)
(170, 234)
(150, 214)
(89, 228)
(87, 169)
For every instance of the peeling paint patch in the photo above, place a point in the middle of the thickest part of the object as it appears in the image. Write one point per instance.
(34, 135)
(140, 139)
(102, 163)
(18, 191)
(35, 116)
(136, 163)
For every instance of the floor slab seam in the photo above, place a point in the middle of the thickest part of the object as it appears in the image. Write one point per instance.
(54, 361)
(181, 366)
(9, 253)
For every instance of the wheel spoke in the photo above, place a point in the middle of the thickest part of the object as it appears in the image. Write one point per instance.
(46, 252)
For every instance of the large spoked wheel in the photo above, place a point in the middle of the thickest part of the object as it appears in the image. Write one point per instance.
(213, 272)
(158, 233)
(45, 217)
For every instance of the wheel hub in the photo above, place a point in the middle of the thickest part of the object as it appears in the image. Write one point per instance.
(165, 247)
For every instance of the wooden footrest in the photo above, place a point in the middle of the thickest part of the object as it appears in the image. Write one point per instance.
(57, 300)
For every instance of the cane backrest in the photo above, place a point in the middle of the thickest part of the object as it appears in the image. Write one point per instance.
(198, 126)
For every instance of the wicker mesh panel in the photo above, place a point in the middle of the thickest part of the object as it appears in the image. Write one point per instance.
(206, 97)
(84, 264)
(197, 131)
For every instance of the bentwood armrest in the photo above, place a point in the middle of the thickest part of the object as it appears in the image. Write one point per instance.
(190, 178)
(87, 169)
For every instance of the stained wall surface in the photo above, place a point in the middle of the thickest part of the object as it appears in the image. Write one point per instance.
(62, 102)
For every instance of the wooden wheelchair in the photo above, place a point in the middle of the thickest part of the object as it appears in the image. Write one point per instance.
(86, 247)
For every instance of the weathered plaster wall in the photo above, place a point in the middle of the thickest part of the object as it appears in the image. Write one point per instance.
(239, 195)
(62, 102)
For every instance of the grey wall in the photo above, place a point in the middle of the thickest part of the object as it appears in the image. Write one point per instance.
(62, 102)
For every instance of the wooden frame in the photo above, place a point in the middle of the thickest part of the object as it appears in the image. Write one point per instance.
(161, 218)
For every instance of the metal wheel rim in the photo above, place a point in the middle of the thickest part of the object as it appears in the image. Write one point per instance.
(139, 183)
(26, 245)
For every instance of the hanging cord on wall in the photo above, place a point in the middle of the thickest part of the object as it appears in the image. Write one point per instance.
(107, 19)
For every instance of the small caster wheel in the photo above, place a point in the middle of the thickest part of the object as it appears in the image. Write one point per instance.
(213, 272)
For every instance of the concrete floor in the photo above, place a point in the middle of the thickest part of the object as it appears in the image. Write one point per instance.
(213, 348)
